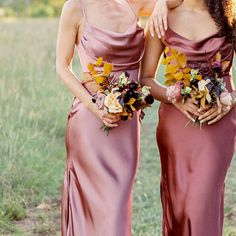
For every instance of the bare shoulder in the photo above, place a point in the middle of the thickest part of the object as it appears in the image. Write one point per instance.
(72, 11)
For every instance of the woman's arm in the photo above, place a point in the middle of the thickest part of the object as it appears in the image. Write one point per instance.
(153, 51)
(146, 7)
(69, 26)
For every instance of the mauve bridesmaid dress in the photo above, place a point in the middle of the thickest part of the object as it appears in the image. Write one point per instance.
(195, 161)
(100, 169)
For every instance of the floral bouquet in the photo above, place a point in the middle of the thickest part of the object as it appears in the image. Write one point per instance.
(203, 84)
(120, 95)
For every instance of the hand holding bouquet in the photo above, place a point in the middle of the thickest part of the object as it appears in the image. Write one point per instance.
(204, 85)
(119, 96)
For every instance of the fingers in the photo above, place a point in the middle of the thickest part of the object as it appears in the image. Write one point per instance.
(215, 120)
(193, 109)
(157, 29)
(108, 124)
(110, 120)
(211, 114)
(114, 118)
(188, 115)
(151, 25)
(225, 110)
(165, 22)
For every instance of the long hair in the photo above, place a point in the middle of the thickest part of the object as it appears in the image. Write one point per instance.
(223, 13)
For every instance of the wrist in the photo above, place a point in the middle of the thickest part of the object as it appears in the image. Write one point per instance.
(173, 93)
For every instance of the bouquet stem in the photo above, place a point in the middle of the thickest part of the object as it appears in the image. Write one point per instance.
(106, 129)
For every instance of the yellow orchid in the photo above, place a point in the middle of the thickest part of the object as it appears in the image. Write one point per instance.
(108, 68)
(167, 49)
(202, 95)
(182, 60)
(199, 77)
(99, 62)
(175, 53)
(166, 60)
(100, 79)
(131, 102)
(179, 76)
(171, 69)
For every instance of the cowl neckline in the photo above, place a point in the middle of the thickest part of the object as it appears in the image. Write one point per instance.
(129, 31)
(215, 34)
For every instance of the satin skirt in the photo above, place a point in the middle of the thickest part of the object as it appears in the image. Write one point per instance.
(194, 166)
(99, 175)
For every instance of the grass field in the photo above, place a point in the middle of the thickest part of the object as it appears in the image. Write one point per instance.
(33, 113)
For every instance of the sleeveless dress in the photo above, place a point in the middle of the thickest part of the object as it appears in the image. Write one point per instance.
(100, 169)
(195, 161)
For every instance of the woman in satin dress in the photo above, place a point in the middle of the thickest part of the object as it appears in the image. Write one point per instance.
(194, 161)
(100, 169)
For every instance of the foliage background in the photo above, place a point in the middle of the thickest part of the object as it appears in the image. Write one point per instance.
(31, 8)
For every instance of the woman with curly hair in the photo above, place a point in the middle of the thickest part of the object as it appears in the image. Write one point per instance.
(194, 160)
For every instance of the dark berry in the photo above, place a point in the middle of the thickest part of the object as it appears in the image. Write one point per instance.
(133, 85)
(138, 104)
(130, 93)
(194, 83)
(124, 118)
(126, 98)
(127, 74)
(128, 109)
(149, 99)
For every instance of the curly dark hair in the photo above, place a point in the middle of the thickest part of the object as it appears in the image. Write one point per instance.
(223, 13)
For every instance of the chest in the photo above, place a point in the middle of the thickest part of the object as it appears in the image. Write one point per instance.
(113, 17)
(192, 25)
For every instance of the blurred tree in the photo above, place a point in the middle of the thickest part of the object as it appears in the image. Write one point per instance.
(33, 8)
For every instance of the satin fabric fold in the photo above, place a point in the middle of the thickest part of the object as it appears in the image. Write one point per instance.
(195, 161)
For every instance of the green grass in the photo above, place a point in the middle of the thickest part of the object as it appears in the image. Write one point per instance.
(34, 107)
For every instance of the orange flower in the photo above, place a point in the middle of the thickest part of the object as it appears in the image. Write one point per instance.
(108, 68)
(99, 62)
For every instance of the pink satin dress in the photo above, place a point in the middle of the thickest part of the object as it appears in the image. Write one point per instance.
(195, 161)
(100, 169)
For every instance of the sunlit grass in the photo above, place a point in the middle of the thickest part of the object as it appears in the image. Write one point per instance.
(34, 107)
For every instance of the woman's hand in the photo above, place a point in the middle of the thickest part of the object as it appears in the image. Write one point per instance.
(214, 114)
(108, 119)
(158, 19)
(190, 108)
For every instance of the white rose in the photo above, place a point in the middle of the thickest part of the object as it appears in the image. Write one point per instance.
(202, 84)
(123, 80)
(146, 90)
(112, 103)
(226, 99)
